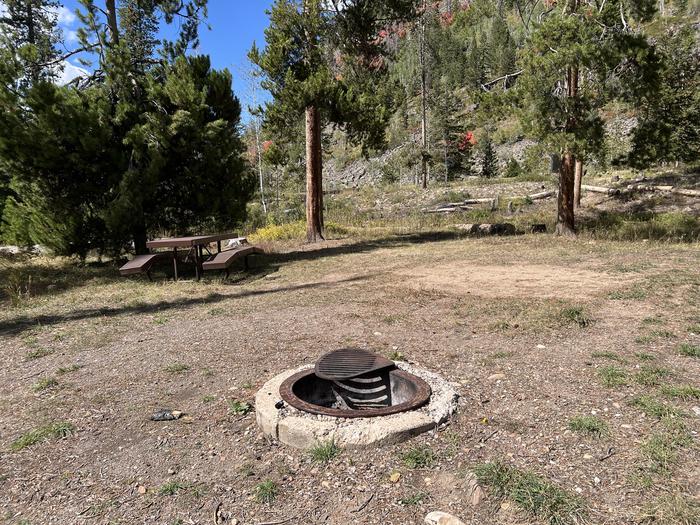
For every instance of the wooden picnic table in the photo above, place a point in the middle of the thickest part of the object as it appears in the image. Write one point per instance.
(195, 244)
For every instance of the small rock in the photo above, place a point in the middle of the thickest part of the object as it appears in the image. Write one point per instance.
(587, 456)
(496, 377)
(596, 480)
(395, 477)
(141, 489)
(697, 411)
(377, 334)
(541, 347)
(442, 518)
(474, 491)
(166, 414)
(326, 484)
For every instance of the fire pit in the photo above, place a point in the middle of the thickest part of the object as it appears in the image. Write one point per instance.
(355, 383)
(355, 398)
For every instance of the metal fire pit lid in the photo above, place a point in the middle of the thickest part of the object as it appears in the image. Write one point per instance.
(348, 363)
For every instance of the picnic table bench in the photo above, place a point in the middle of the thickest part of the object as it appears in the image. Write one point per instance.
(193, 248)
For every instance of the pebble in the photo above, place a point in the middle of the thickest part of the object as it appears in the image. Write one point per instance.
(496, 377)
(442, 518)
(587, 456)
(697, 411)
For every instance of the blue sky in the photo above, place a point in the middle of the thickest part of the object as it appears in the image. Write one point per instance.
(235, 24)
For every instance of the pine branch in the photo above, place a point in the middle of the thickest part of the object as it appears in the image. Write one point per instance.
(68, 55)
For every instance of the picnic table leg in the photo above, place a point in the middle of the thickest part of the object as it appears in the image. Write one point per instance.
(196, 261)
(218, 246)
(175, 262)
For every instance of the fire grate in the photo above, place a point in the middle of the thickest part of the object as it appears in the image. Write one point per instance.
(349, 363)
(351, 383)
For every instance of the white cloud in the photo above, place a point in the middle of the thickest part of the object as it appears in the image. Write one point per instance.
(3, 8)
(69, 73)
(71, 35)
(66, 17)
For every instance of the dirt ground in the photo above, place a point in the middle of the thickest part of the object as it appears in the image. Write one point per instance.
(525, 326)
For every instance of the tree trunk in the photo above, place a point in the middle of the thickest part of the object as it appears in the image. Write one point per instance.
(314, 177)
(140, 238)
(424, 101)
(565, 201)
(256, 125)
(112, 21)
(578, 176)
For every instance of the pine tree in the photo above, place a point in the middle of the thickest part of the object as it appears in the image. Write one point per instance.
(489, 167)
(582, 56)
(303, 79)
(29, 34)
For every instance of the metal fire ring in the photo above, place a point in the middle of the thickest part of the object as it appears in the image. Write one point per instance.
(420, 398)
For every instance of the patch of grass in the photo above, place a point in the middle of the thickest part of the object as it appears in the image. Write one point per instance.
(53, 431)
(689, 350)
(610, 356)
(653, 320)
(419, 457)
(651, 375)
(172, 487)
(395, 355)
(217, 311)
(414, 499)
(208, 399)
(177, 368)
(45, 383)
(247, 385)
(654, 408)
(654, 335)
(576, 315)
(589, 426)
(160, 319)
(266, 492)
(684, 392)
(239, 408)
(612, 376)
(324, 452)
(661, 449)
(38, 353)
(636, 293)
(532, 493)
(502, 355)
(672, 509)
(68, 369)
(694, 329)
(643, 356)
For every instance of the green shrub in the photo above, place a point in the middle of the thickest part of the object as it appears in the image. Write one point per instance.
(513, 169)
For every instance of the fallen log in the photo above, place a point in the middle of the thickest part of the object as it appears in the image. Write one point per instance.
(540, 195)
(687, 192)
(447, 209)
(504, 228)
(493, 201)
(600, 189)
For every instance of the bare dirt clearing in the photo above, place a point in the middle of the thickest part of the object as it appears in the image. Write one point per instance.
(552, 331)
(517, 280)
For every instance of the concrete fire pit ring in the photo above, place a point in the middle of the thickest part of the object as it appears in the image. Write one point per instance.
(303, 430)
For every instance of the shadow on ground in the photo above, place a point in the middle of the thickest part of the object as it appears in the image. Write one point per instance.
(26, 322)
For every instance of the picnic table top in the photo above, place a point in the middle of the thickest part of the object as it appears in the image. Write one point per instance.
(195, 240)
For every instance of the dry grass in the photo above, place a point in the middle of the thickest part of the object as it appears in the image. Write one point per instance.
(466, 308)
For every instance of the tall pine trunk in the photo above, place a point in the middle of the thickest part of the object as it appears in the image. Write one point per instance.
(314, 176)
(578, 175)
(112, 21)
(424, 102)
(565, 201)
